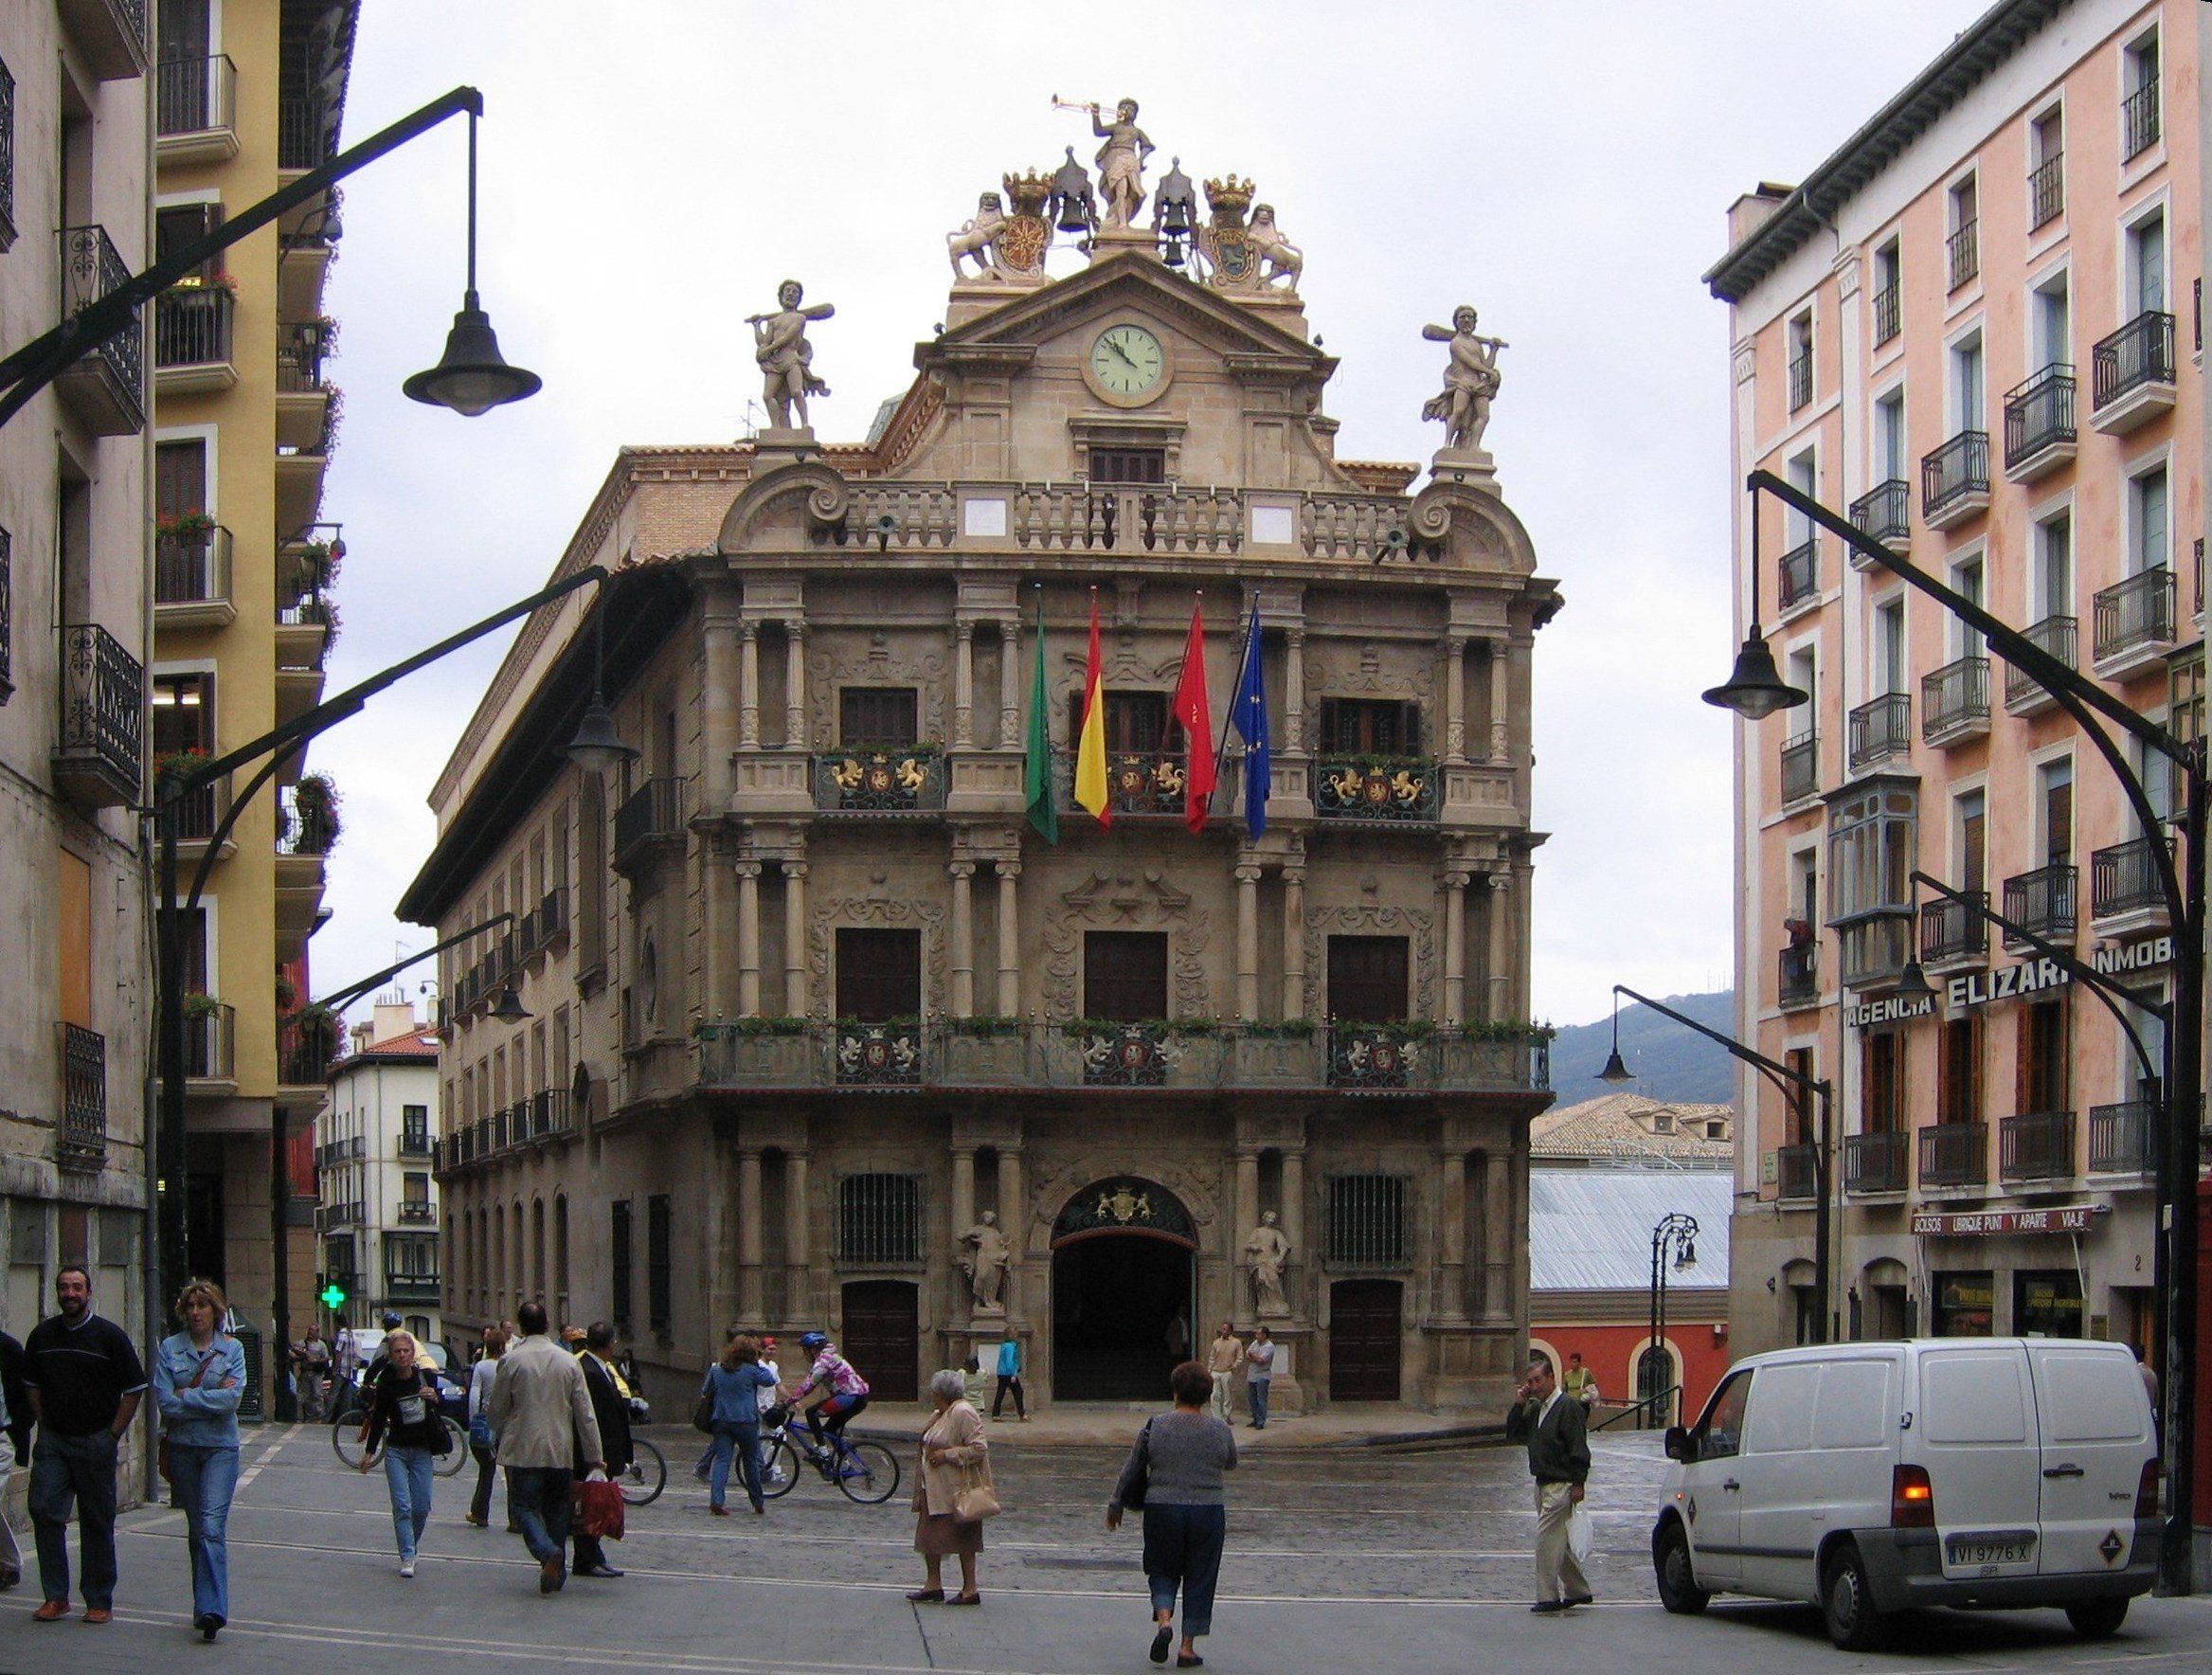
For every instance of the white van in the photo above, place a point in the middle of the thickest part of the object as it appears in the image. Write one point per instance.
(1871, 1478)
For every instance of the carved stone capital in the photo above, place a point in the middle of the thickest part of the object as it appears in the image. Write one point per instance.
(749, 629)
(1009, 869)
(1456, 880)
(1501, 880)
(963, 629)
(1247, 874)
(795, 629)
(960, 869)
(1294, 877)
(795, 870)
(748, 869)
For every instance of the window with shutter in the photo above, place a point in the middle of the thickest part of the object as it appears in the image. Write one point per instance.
(1371, 727)
(1125, 975)
(879, 975)
(1137, 724)
(1367, 979)
(1129, 465)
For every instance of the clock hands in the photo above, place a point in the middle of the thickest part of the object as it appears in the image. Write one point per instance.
(1115, 344)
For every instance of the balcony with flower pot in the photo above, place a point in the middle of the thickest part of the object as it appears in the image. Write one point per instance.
(308, 825)
(305, 398)
(191, 337)
(191, 572)
(211, 1048)
(198, 815)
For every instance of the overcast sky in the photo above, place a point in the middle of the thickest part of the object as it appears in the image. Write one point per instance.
(651, 168)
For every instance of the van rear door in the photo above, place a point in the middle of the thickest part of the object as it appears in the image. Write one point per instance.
(1975, 1430)
(2097, 1433)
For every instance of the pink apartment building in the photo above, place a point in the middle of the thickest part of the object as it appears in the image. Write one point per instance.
(1976, 327)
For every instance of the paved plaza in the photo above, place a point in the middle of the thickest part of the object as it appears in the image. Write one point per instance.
(1337, 1558)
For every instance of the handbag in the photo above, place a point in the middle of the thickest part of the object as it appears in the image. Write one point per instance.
(1139, 1480)
(974, 1501)
(596, 1508)
(703, 1414)
(480, 1433)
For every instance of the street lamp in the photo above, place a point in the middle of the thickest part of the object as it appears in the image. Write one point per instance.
(1754, 687)
(1615, 1072)
(2181, 881)
(1678, 1232)
(472, 376)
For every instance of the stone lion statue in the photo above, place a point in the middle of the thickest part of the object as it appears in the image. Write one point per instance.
(1279, 258)
(976, 236)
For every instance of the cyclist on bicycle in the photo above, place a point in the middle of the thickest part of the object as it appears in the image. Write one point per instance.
(846, 1390)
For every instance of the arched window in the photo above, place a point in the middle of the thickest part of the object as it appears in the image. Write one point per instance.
(537, 1248)
(1654, 1377)
(561, 1251)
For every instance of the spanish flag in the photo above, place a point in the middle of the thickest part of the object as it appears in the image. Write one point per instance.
(1090, 764)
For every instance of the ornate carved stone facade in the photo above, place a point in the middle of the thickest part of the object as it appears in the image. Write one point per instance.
(820, 993)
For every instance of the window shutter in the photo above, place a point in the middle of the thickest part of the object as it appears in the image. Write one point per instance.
(1410, 731)
(1331, 725)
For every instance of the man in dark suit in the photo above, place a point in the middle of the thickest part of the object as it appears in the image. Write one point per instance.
(613, 1414)
(1552, 1426)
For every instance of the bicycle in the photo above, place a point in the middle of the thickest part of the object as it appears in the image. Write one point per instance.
(645, 1476)
(865, 1471)
(348, 1429)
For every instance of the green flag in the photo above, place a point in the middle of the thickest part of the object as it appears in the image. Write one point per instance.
(1036, 767)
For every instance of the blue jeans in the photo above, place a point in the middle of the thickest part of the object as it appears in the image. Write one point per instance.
(1183, 1544)
(1256, 1392)
(538, 1496)
(408, 1474)
(79, 1469)
(745, 1441)
(205, 1478)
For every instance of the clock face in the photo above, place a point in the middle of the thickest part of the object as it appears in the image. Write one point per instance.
(1127, 361)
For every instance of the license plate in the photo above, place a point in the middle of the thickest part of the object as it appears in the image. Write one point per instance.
(1971, 1550)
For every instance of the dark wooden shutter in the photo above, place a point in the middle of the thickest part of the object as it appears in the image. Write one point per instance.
(879, 975)
(1129, 465)
(1125, 975)
(180, 477)
(1367, 979)
(881, 716)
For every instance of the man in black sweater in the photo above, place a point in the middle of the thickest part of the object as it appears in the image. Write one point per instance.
(1559, 1459)
(85, 1380)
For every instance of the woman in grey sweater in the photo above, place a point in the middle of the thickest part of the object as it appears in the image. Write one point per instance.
(1181, 1455)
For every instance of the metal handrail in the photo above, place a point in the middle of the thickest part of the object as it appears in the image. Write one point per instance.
(1636, 1407)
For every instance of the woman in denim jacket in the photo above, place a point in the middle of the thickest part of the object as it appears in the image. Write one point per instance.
(198, 1376)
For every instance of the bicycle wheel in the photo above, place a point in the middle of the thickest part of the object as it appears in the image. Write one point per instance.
(457, 1449)
(783, 1469)
(647, 1474)
(869, 1473)
(345, 1435)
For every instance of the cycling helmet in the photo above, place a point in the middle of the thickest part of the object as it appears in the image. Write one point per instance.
(391, 1320)
(810, 1341)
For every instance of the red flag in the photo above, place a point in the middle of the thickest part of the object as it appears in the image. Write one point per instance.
(1191, 709)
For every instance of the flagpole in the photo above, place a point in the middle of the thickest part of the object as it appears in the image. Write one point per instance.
(1229, 710)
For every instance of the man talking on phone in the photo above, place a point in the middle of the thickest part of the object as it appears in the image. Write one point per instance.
(1559, 1459)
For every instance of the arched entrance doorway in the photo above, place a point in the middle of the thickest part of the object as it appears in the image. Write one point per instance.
(1123, 1278)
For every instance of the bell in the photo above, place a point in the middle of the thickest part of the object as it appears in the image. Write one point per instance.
(1072, 218)
(1171, 252)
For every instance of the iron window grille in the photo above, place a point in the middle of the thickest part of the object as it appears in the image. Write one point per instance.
(2139, 119)
(879, 1219)
(1367, 1220)
(656, 1262)
(2046, 191)
(1964, 253)
(1887, 314)
(6, 158)
(619, 1263)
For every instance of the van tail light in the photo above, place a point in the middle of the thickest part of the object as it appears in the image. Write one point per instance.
(1911, 1498)
(2147, 1488)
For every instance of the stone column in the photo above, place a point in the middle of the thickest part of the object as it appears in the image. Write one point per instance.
(1009, 943)
(1248, 943)
(1516, 973)
(963, 1189)
(1501, 736)
(963, 684)
(1496, 1235)
(1451, 1213)
(1293, 942)
(1012, 1220)
(748, 939)
(1294, 690)
(749, 1233)
(1294, 1224)
(1455, 681)
(963, 943)
(795, 939)
(1009, 684)
(720, 704)
(798, 1285)
(1248, 1217)
(1455, 948)
(1499, 977)
(748, 685)
(794, 685)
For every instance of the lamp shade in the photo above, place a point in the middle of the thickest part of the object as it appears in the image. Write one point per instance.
(1615, 1072)
(472, 376)
(597, 746)
(1755, 689)
(510, 1009)
(1913, 984)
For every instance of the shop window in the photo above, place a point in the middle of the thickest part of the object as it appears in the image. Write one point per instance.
(2046, 1302)
(1963, 1303)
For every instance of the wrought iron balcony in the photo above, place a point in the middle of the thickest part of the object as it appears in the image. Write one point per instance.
(191, 576)
(306, 1047)
(306, 824)
(2123, 1138)
(299, 360)
(2124, 881)
(1801, 573)
(2046, 191)
(1797, 979)
(1961, 253)
(307, 131)
(1952, 934)
(652, 817)
(1376, 788)
(411, 1287)
(2042, 901)
(1138, 783)
(549, 1113)
(1884, 514)
(99, 760)
(2139, 125)
(1954, 701)
(1796, 1171)
(199, 814)
(1954, 1154)
(2131, 373)
(1800, 380)
(2039, 1147)
(1880, 729)
(194, 99)
(418, 1211)
(106, 387)
(1954, 479)
(2039, 423)
(1800, 767)
(883, 1054)
(192, 330)
(1887, 314)
(2023, 693)
(81, 1143)
(2134, 621)
(1875, 1163)
(415, 1144)
(888, 781)
(210, 1039)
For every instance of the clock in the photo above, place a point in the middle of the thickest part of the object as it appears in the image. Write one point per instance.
(1127, 366)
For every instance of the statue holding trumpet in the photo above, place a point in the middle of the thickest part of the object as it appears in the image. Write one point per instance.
(1471, 379)
(784, 355)
(1121, 159)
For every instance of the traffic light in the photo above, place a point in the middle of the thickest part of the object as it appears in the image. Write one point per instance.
(334, 1297)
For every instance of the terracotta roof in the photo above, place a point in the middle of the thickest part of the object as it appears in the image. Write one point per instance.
(415, 1043)
(1623, 1126)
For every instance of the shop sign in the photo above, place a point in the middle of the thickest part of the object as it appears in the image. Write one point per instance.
(1894, 1010)
(2031, 977)
(1989, 1223)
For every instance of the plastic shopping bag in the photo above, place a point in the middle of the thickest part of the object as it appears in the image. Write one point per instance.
(597, 1507)
(1579, 1533)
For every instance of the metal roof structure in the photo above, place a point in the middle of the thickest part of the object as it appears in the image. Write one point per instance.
(1590, 1229)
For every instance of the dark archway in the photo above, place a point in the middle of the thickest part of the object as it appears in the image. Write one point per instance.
(1123, 1274)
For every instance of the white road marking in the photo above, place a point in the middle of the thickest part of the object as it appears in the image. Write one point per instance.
(262, 1459)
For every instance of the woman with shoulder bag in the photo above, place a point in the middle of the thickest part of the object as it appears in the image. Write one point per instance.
(731, 1404)
(1174, 1473)
(953, 1492)
(403, 1418)
(483, 1446)
(199, 1374)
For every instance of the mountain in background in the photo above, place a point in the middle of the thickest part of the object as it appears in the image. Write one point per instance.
(1669, 1061)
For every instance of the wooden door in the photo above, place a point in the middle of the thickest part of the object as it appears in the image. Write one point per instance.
(1364, 1339)
(882, 1337)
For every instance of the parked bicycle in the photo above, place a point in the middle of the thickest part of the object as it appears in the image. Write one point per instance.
(647, 1473)
(865, 1471)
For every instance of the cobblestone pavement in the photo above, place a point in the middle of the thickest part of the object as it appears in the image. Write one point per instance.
(1337, 1558)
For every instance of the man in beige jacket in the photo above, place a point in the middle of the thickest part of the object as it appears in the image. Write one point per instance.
(1223, 1357)
(541, 1412)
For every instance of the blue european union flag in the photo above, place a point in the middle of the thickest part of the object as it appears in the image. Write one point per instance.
(1247, 712)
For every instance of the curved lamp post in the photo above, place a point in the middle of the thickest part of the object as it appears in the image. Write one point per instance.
(1676, 1232)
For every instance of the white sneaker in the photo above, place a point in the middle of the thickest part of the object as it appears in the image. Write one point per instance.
(406, 1567)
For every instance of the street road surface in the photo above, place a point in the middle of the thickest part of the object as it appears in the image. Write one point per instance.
(1336, 1560)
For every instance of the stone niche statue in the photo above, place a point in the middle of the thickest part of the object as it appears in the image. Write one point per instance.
(1471, 379)
(784, 355)
(1266, 1254)
(984, 1256)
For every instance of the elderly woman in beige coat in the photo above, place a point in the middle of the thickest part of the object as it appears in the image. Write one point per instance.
(954, 1457)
